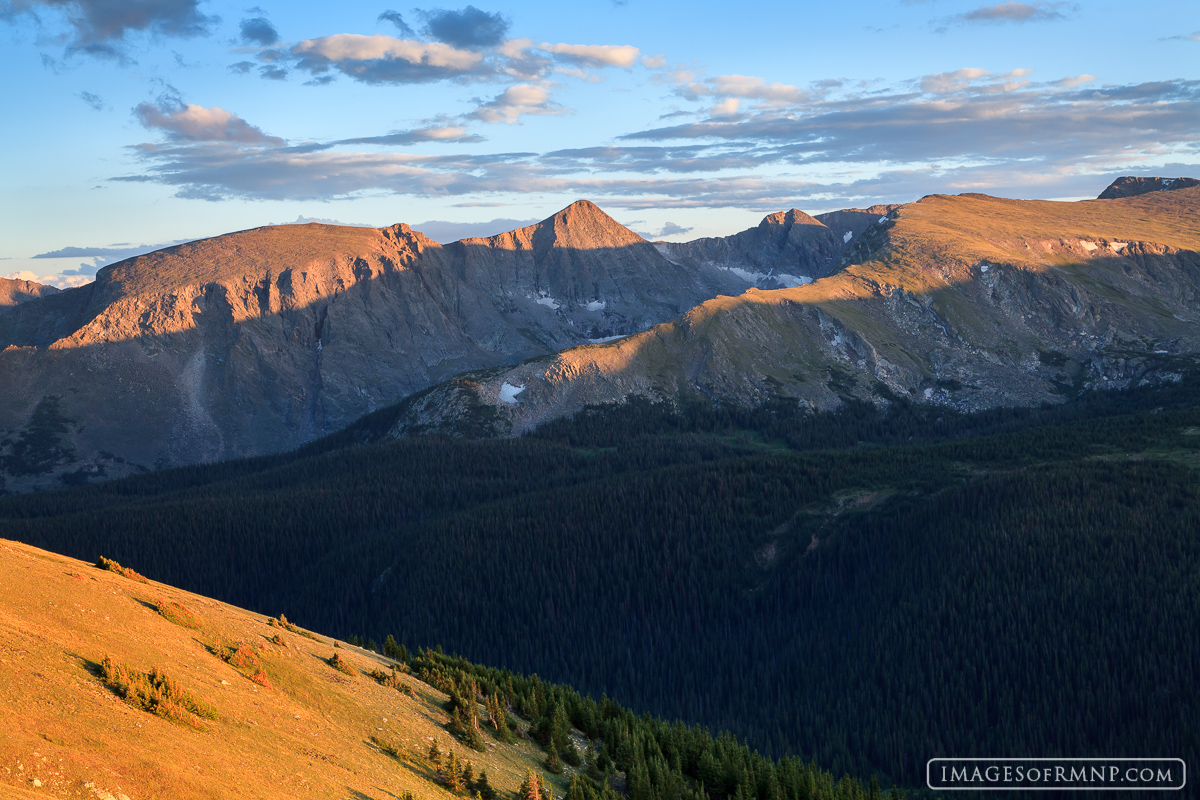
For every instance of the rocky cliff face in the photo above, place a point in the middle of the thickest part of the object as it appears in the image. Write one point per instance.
(967, 301)
(1131, 186)
(262, 340)
(787, 249)
(15, 292)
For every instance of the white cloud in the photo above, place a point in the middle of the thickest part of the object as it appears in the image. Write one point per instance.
(199, 124)
(515, 102)
(593, 55)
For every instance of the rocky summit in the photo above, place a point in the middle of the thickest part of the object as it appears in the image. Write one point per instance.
(966, 301)
(258, 341)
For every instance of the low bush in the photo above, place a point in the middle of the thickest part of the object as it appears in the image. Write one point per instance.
(282, 622)
(113, 566)
(340, 664)
(155, 692)
(179, 614)
(242, 657)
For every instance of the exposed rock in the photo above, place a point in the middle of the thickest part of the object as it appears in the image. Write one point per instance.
(13, 292)
(1130, 186)
(968, 301)
(259, 341)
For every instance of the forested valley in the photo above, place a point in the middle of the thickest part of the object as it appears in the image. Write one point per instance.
(863, 590)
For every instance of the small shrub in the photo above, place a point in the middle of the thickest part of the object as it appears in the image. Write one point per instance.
(179, 614)
(340, 664)
(282, 622)
(277, 640)
(386, 747)
(155, 692)
(392, 681)
(113, 566)
(242, 657)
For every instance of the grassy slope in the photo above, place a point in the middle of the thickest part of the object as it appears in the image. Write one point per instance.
(306, 736)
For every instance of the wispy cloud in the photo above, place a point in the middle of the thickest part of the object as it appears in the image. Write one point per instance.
(1013, 11)
(966, 130)
(186, 122)
(94, 100)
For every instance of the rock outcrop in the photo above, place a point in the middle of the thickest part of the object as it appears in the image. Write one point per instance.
(15, 292)
(1130, 186)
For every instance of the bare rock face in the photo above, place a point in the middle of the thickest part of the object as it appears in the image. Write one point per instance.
(14, 292)
(1131, 186)
(788, 248)
(969, 302)
(259, 341)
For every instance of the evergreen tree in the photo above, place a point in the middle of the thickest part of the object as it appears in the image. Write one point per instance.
(435, 753)
(529, 787)
(552, 762)
(483, 787)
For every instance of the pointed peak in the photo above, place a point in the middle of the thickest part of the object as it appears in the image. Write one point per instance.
(584, 226)
(789, 218)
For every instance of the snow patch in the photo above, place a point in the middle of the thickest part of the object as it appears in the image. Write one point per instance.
(547, 300)
(596, 305)
(1118, 246)
(883, 219)
(606, 339)
(1091, 247)
(792, 281)
(928, 393)
(508, 392)
(983, 267)
(849, 235)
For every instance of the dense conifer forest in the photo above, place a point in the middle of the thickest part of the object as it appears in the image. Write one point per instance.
(863, 590)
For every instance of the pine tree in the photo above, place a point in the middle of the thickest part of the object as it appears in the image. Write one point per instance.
(552, 762)
(529, 787)
(468, 775)
(484, 787)
(576, 790)
(435, 753)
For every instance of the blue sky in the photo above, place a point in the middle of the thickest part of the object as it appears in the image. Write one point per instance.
(134, 125)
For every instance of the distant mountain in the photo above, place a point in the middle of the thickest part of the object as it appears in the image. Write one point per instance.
(14, 292)
(1130, 186)
(258, 341)
(787, 249)
(968, 301)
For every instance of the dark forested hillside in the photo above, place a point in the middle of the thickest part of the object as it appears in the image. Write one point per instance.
(865, 589)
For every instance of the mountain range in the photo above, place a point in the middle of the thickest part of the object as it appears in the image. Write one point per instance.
(260, 341)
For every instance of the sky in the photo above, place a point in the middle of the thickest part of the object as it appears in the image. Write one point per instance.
(135, 125)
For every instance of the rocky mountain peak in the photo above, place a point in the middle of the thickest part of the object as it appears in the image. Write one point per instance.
(1129, 186)
(13, 292)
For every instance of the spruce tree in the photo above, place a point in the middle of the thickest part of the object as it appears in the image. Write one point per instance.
(435, 753)
(484, 787)
(529, 787)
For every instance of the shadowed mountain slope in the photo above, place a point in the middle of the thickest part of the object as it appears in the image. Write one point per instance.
(968, 301)
(1130, 186)
(259, 341)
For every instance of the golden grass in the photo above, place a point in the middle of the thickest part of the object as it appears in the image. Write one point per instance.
(306, 737)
